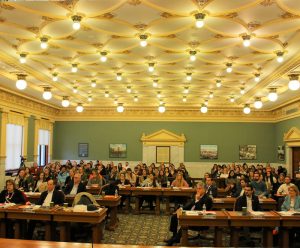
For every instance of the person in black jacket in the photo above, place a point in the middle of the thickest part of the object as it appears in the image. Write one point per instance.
(248, 200)
(210, 188)
(201, 199)
(11, 194)
(51, 195)
(76, 186)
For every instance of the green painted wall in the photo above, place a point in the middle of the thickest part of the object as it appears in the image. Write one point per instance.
(283, 127)
(30, 140)
(228, 137)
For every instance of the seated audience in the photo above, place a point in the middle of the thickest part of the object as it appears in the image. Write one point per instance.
(201, 199)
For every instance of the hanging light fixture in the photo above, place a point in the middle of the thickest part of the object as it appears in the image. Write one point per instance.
(280, 57)
(79, 108)
(246, 40)
(75, 89)
(22, 58)
(203, 109)
(272, 95)
(229, 67)
(188, 76)
(184, 99)
(193, 55)
(246, 109)
(106, 94)
(143, 40)
(161, 101)
(242, 91)
(155, 83)
(199, 20)
(93, 83)
(76, 22)
(158, 94)
(103, 56)
(54, 77)
(211, 95)
(218, 83)
(44, 42)
(119, 76)
(151, 67)
(258, 103)
(294, 82)
(232, 99)
(21, 83)
(206, 102)
(116, 101)
(65, 102)
(186, 90)
(257, 77)
(136, 99)
(161, 108)
(90, 98)
(120, 108)
(47, 95)
(128, 89)
(74, 68)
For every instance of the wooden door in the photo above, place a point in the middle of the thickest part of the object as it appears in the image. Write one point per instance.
(296, 160)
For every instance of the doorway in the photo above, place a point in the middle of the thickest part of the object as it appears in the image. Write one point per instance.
(296, 160)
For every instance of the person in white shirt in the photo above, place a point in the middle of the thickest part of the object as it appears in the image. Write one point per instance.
(51, 195)
(284, 188)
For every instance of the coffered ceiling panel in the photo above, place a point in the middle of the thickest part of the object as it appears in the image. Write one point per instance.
(180, 60)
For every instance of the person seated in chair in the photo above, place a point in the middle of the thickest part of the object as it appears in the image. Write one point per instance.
(201, 199)
(76, 186)
(51, 195)
(292, 200)
(210, 188)
(248, 200)
(11, 194)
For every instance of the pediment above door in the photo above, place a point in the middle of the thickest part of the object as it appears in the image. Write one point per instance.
(163, 137)
(292, 137)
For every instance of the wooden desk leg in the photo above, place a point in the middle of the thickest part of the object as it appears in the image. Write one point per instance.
(113, 223)
(62, 232)
(47, 231)
(96, 234)
(184, 237)
(127, 202)
(157, 205)
(17, 230)
(268, 237)
(234, 237)
(2, 229)
(284, 238)
(218, 237)
(137, 205)
(168, 205)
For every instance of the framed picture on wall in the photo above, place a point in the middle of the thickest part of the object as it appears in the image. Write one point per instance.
(83, 149)
(117, 150)
(208, 151)
(163, 154)
(281, 153)
(247, 152)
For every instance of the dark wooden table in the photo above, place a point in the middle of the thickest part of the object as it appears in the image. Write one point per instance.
(2, 223)
(268, 221)
(219, 220)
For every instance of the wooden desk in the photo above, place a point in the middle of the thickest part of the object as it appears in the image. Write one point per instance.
(93, 190)
(268, 221)
(169, 192)
(218, 221)
(94, 218)
(17, 213)
(144, 191)
(287, 223)
(228, 203)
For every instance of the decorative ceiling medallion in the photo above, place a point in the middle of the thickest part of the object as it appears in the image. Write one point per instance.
(141, 26)
(134, 2)
(6, 6)
(33, 29)
(253, 25)
(267, 2)
(108, 16)
(166, 15)
(288, 15)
